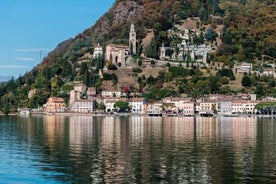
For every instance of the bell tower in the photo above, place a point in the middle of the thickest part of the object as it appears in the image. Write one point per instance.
(132, 39)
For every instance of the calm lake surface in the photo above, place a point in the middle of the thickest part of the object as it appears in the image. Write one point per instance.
(87, 149)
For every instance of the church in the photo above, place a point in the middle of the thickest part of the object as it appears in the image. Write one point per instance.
(118, 53)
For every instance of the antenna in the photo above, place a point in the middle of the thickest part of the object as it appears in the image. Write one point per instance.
(40, 56)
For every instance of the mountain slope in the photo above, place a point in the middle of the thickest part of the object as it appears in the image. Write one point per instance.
(246, 37)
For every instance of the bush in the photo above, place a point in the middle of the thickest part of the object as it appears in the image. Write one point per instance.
(137, 70)
(112, 67)
(224, 80)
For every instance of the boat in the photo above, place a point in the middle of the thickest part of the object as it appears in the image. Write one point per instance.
(230, 115)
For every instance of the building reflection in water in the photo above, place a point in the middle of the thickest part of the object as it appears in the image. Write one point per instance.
(54, 130)
(123, 149)
(80, 132)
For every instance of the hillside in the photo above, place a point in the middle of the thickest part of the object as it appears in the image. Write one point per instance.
(246, 34)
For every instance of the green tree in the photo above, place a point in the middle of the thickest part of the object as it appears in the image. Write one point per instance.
(210, 35)
(246, 81)
(122, 106)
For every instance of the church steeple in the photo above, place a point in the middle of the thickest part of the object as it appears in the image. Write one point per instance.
(132, 39)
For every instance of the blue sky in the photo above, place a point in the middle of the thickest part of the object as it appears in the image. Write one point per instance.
(31, 28)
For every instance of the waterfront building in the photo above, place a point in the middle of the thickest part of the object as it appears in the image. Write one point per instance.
(239, 106)
(208, 106)
(24, 111)
(109, 105)
(55, 104)
(137, 105)
(85, 106)
(225, 105)
(184, 105)
(154, 108)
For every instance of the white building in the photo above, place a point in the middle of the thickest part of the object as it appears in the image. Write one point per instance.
(109, 104)
(83, 106)
(269, 73)
(244, 106)
(244, 68)
(225, 105)
(111, 94)
(98, 51)
(137, 105)
(154, 108)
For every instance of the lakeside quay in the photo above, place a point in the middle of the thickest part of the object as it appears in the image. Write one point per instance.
(136, 114)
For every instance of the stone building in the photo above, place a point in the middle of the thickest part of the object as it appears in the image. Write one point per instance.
(116, 53)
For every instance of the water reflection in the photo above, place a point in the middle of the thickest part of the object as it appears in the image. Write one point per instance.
(138, 149)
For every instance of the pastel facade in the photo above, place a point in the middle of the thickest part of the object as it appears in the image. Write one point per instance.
(243, 106)
(184, 105)
(55, 104)
(154, 108)
(208, 106)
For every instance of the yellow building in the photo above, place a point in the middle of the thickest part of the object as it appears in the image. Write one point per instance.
(55, 104)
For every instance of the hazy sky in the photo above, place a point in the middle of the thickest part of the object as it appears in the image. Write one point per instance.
(29, 29)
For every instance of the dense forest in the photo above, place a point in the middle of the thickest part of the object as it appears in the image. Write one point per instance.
(248, 36)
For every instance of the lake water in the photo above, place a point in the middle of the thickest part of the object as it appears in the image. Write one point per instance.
(87, 149)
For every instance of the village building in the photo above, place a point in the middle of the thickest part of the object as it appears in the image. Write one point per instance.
(31, 93)
(137, 105)
(269, 72)
(84, 106)
(24, 111)
(77, 92)
(147, 62)
(110, 102)
(77, 103)
(91, 93)
(111, 94)
(55, 104)
(116, 53)
(244, 106)
(184, 105)
(154, 109)
(244, 68)
(208, 106)
(225, 105)
(109, 105)
(98, 52)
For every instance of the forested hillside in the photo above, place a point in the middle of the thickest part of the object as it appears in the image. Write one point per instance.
(248, 36)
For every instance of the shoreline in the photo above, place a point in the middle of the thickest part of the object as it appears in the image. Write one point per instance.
(130, 114)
